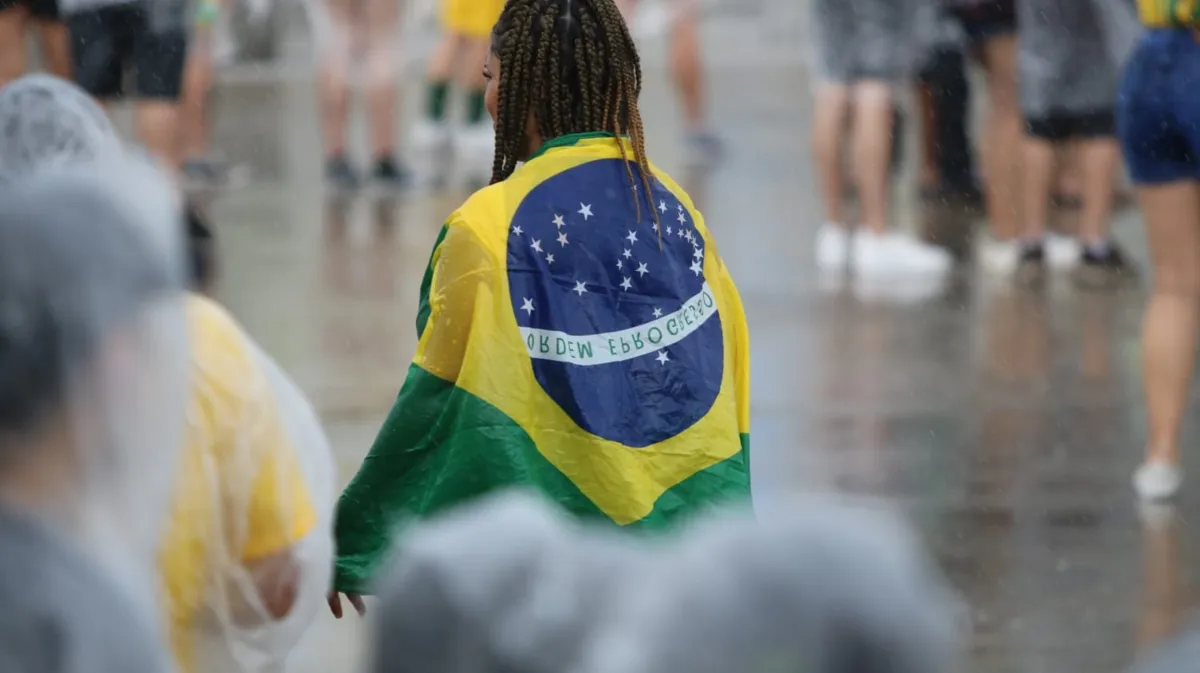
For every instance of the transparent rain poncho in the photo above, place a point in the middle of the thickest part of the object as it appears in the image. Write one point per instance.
(247, 554)
(47, 122)
(815, 588)
(93, 377)
(506, 585)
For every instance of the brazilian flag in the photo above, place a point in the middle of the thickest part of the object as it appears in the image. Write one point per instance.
(572, 343)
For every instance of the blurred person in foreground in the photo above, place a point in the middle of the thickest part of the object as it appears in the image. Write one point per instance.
(149, 37)
(16, 17)
(865, 51)
(1068, 83)
(579, 333)
(93, 377)
(818, 589)
(466, 38)
(687, 69)
(358, 35)
(1156, 111)
(246, 556)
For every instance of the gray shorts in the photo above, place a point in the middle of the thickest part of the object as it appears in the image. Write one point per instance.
(864, 39)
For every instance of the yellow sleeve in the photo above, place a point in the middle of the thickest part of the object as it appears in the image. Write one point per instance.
(267, 506)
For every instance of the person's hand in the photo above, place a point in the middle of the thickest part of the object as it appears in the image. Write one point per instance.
(335, 604)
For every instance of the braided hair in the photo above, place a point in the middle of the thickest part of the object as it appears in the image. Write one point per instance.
(572, 65)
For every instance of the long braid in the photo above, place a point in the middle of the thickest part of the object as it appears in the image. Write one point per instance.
(573, 65)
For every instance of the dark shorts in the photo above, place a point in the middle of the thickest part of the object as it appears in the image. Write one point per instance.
(988, 19)
(45, 10)
(1158, 106)
(108, 41)
(1058, 127)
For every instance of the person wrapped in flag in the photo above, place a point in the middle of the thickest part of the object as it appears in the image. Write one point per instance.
(579, 334)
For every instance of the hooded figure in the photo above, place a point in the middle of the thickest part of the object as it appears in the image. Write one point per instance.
(817, 588)
(248, 551)
(93, 376)
(507, 585)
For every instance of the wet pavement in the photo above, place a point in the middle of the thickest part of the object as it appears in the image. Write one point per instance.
(1006, 421)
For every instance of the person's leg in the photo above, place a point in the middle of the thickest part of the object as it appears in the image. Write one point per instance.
(383, 51)
(333, 21)
(439, 76)
(1002, 137)
(871, 148)
(98, 51)
(829, 132)
(1099, 159)
(159, 58)
(947, 77)
(197, 85)
(1038, 164)
(14, 16)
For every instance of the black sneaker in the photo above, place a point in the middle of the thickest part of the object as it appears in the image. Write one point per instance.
(1101, 268)
(1031, 263)
(390, 172)
(340, 174)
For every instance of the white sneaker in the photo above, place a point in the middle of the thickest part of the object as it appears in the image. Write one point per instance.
(896, 255)
(430, 135)
(833, 246)
(998, 257)
(1062, 252)
(477, 140)
(1157, 481)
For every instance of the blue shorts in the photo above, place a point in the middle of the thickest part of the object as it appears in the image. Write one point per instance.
(1158, 108)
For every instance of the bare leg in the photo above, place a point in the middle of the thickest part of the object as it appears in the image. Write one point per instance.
(1038, 170)
(1002, 138)
(1169, 330)
(382, 41)
(158, 129)
(828, 136)
(928, 175)
(197, 85)
(687, 66)
(1098, 162)
(56, 47)
(13, 62)
(333, 83)
(872, 148)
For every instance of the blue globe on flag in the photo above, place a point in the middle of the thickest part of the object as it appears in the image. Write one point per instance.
(616, 314)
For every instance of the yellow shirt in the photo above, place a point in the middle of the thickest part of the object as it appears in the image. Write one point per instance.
(1166, 13)
(240, 494)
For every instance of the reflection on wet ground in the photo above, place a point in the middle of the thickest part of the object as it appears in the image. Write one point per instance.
(1006, 421)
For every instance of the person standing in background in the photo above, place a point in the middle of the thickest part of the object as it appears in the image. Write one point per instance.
(350, 33)
(195, 123)
(991, 27)
(687, 68)
(866, 48)
(458, 59)
(15, 19)
(944, 97)
(1068, 83)
(109, 37)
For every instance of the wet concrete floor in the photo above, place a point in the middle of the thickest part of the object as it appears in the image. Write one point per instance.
(1006, 421)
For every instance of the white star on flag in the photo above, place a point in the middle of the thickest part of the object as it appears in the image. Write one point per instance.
(632, 237)
(585, 210)
(688, 235)
(655, 227)
(558, 221)
(679, 232)
(517, 229)
(668, 231)
(698, 253)
(642, 270)
(657, 312)
(620, 265)
(536, 245)
(662, 358)
(626, 284)
(682, 218)
(562, 238)
(527, 305)
(662, 206)
(679, 207)
(580, 288)
(696, 268)
(627, 254)
(550, 258)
